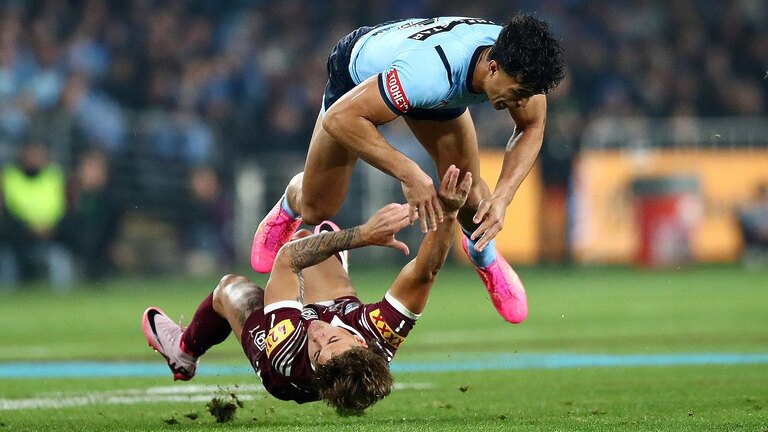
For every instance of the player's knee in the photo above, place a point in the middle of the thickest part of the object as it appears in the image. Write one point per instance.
(229, 279)
(228, 292)
(296, 181)
(315, 214)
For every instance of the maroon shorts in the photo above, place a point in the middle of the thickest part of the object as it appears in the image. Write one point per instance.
(253, 342)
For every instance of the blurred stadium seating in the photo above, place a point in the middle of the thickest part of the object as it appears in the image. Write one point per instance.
(163, 87)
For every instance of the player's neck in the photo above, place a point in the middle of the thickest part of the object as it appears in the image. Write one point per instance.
(480, 72)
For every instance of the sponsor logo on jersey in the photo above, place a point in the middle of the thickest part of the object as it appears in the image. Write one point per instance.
(351, 307)
(334, 307)
(395, 91)
(279, 333)
(309, 313)
(259, 339)
(384, 329)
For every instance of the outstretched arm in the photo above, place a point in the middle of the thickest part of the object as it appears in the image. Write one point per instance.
(520, 154)
(307, 250)
(352, 121)
(412, 286)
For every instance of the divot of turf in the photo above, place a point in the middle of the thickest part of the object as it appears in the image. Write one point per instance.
(222, 410)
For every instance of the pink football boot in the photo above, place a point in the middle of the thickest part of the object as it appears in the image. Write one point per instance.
(273, 232)
(504, 286)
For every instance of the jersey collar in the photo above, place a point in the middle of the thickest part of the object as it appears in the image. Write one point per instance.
(472, 65)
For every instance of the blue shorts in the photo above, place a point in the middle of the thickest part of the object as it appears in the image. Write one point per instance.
(339, 81)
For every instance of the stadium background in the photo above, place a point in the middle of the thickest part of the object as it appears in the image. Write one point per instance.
(165, 88)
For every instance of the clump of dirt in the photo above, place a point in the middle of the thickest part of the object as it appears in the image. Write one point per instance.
(223, 409)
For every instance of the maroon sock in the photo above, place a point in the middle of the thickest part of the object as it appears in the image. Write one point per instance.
(207, 329)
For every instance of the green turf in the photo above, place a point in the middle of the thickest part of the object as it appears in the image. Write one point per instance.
(613, 310)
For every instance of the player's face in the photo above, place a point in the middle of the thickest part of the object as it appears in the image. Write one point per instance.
(503, 90)
(326, 341)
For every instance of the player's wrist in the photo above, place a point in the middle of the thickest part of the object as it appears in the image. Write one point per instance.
(450, 215)
(503, 194)
(411, 173)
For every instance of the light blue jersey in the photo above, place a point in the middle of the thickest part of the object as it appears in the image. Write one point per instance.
(424, 63)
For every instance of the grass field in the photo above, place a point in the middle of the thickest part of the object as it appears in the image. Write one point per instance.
(603, 349)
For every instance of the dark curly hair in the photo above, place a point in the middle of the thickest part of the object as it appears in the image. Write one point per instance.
(354, 380)
(526, 50)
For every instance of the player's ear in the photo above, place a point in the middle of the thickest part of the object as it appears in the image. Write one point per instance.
(493, 67)
(361, 341)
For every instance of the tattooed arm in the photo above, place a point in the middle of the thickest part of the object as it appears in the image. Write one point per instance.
(315, 249)
(307, 250)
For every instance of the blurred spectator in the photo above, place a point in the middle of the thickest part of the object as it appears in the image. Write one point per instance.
(255, 66)
(560, 146)
(207, 231)
(244, 67)
(34, 203)
(100, 119)
(753, 220)
(163, 86)
(93, 218)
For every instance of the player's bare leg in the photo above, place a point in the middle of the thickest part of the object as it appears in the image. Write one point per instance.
(223, 311)
(327, 173)
(235, 299)
(314, 195)
(455, 142)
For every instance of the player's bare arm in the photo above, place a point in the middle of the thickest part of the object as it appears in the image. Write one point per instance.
(308, 250)
(521, 152)
(412, 286)
(352, 121)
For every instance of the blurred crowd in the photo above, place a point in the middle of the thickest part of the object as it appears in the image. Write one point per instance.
(207, 82)
(254, 70)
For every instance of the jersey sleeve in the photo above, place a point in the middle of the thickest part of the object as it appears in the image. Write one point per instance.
(286, 337)
(416, 79)
(389, 323)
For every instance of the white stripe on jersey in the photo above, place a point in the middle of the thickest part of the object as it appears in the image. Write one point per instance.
(293, 304)
(286, 353)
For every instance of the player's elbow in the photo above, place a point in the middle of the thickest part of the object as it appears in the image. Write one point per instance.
(286, 253)
(429, 274)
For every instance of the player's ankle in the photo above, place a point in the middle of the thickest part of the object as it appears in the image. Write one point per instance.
(482, 258)
(287, 208)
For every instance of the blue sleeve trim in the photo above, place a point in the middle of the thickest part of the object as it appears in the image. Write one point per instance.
(447, 66)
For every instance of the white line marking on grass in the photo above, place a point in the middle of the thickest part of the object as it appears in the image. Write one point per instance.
(190, 393)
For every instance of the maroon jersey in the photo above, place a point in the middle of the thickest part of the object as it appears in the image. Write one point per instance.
(275, 339)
